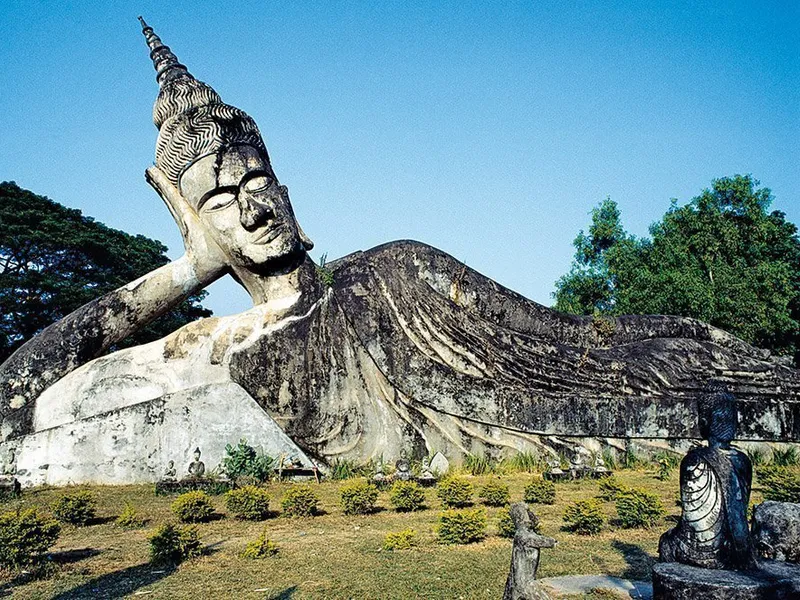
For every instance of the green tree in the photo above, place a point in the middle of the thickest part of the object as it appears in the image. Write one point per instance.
(722, 258)
(53, 260)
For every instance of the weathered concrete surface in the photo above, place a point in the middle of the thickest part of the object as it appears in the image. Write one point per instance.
(773, 581)
(776, 530)
(134, 443)
(583, 584)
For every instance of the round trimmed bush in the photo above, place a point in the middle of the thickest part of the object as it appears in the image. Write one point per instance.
(540, 491)
(610, 488)
(129, 518)
(400, 540)
(407, 496)
(455, 492)
(249, 502)
(25, 535)
(261, 547)
(193, 507)
(299, 501)
(358, 498)
(585, 516)
(495, 493)
(462, 526)
(639, 508)
(173, 543)
(77, 508)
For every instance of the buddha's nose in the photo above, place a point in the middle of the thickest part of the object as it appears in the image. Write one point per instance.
(254, 211)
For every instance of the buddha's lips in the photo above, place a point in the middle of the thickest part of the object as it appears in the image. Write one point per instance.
(269, 234)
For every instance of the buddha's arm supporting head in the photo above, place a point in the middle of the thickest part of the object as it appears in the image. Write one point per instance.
(213, 171)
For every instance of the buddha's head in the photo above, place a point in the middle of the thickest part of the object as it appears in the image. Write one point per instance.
(718, 416)
(214, 155)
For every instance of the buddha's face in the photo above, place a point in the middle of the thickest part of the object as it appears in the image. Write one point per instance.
(246, 211)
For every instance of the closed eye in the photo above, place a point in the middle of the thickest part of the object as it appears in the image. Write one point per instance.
(222, 199)
(258, 183)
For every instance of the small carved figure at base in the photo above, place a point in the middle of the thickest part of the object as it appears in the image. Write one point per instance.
(402, 469)
(197, 468)
(555, 472)
(170, 473)
(521, 583)
(600, 469)
(427, 479)
(577, 464)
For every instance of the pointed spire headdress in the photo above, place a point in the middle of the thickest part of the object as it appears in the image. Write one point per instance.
(192, 119)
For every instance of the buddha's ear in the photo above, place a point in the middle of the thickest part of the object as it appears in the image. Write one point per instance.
(178, 206)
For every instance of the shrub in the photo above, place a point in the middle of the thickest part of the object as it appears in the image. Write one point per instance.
(193, 507)
(780, 483)
(400, 540)
(666, 462)
(757, 456)
(24, 536)
(540, 491)
(495, 493)
(639, 508)
(129, 518)
(505, 525)
(358, 498)
(261, 547)
(585, 517)
(77, 508)
(610, 488)
(244, 461)
(407, 496)
(173, 543)
(299, 501)
(455, 492)
(462, 526)
(248, 502)
(610, 459)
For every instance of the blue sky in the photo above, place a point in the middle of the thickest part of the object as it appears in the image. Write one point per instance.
(488, 130)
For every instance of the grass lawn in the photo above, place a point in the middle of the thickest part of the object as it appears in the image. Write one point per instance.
(332, 555)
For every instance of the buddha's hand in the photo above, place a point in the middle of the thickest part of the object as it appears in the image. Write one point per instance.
(204, 254)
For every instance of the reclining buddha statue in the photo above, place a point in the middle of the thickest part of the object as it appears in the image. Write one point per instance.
(400, 347)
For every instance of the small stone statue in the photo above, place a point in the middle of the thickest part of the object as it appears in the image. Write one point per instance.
(379, 478)
(427, 478)
(600, 468)
(715, 491)
(197, 467)
(521, 583)
(9, 466)
(554, 472)
(577, 464)
(170, 473)
(403, 469)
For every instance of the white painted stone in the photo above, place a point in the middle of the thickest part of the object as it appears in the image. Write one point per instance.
(439, 464)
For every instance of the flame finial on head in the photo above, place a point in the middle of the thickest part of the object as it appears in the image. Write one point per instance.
(192, 119)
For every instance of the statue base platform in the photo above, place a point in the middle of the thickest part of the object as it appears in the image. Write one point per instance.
(210, 486)
(772, 581)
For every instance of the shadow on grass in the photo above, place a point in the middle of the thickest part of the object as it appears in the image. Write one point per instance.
(640, 563)
(119, 583)
(71, 556)
(285, 594)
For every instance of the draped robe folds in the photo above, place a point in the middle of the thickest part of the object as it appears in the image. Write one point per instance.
(713, 530)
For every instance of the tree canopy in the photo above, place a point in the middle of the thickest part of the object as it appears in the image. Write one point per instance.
(53, 259)
(722, 258)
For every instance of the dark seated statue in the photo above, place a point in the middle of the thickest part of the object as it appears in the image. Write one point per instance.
(715, 493)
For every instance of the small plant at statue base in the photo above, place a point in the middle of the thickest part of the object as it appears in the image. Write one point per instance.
(400, 540)
(261, 547)
(407, 496)
(25, 535)
(173, 543)
(495, 493)
(244, 461)
(193, 507)
(639, 508)
(781, 484)
(455, 492)
(585, 517)
(250, 503)
(299, 501)
(129, 518)
(610, 488)
(540, 491)
(77, 508)
(461, 526)
(358, 498)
